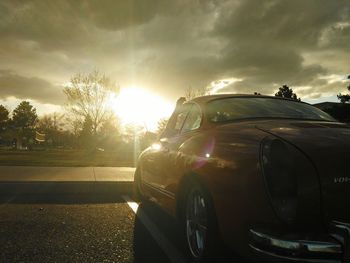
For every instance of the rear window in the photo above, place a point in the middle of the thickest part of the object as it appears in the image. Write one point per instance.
(230, 109)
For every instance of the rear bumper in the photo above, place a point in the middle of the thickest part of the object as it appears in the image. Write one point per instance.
(329, 248)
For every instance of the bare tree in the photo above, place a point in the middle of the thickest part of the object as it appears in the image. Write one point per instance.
(161, 125)
(88, 95)
(53, 121)
(52, 125)
(192, 93)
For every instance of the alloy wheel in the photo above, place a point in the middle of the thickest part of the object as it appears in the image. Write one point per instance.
(196, 222)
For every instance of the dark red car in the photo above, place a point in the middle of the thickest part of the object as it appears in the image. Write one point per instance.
(267, 176)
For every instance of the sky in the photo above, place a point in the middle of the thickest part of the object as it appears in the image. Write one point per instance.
(167, 46)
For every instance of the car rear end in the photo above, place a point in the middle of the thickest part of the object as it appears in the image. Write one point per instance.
(298, 171)
(275, 198)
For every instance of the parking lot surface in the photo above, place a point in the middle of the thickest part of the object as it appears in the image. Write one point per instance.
(47, 214)
(84, 229)
(74, 233)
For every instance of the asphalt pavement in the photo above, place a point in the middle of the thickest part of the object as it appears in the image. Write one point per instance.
(71, 214)
(75, 233)
(48, 215)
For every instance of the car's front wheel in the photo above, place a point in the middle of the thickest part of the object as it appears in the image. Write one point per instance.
(199, 224)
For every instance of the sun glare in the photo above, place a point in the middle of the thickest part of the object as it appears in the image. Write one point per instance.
(139, 107)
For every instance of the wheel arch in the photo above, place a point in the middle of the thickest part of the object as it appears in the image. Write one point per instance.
(185, 182)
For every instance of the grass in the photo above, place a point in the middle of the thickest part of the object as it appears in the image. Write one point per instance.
(65, 158)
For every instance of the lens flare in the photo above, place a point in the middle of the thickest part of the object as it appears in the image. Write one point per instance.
(140, 107)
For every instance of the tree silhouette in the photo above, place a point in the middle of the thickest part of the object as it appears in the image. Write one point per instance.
(344, 97)
(161, 125)
(109, 134)
(4, 117)
(52, 126)
(286, 92)
(86, 134)
(192, 93)
(24, 119)
(51, 122)
(24, 116)
(88, 95)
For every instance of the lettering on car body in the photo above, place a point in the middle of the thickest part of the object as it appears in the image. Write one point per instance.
(339, 180)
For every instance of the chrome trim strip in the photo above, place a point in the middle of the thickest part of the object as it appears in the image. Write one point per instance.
(299, 245)
(292, 259)
(323, 247)
(340, 231)
(160, 190)
(343, 226)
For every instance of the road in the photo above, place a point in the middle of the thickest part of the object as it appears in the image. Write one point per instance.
(74, 233)
(48, 223)
(73, 230)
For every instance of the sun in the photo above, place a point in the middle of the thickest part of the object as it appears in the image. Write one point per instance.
(138, 106)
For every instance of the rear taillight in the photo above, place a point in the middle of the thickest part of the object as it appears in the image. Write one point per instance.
(280, 176)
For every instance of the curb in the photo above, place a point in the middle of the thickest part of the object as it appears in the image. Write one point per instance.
(65, 187)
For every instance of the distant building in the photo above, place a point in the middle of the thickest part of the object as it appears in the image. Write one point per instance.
(339, 111)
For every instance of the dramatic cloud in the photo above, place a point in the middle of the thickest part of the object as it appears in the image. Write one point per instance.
(29, 88)
(167, 46)
(267, 41)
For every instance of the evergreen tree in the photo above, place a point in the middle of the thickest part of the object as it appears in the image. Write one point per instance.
(86, 134)
(4, 117)
(24, 119)
(24, 116)
(344, 97)
(286, 92)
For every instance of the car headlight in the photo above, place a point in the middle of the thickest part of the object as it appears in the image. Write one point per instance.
(279, 171)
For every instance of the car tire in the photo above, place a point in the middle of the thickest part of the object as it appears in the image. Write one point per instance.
(199, 224)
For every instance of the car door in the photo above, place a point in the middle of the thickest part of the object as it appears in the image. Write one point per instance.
(155, 164)
(171, 158)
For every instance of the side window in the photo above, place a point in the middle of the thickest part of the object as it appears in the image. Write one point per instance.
(193, 120)
(176, 121)
(180, 120)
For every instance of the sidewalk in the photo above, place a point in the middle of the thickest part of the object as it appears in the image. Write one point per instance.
(19, 180)
(66, 174)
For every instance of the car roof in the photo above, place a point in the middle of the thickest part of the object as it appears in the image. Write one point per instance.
(207, 98)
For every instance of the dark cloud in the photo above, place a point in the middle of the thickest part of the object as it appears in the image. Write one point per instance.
(171, 45)
(297, 24)
(34, 88)
(75, 23)
(51, 24)
(337, 37)
(266, 41)
(117, 15)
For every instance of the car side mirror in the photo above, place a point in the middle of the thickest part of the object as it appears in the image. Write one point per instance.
(164, 141)
(165, 144)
